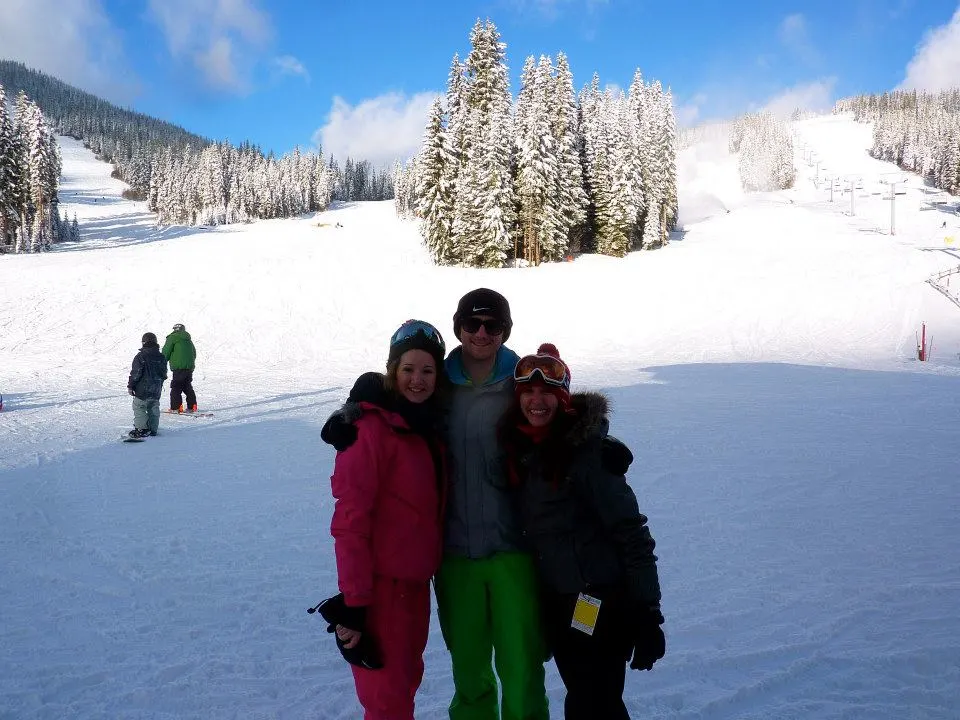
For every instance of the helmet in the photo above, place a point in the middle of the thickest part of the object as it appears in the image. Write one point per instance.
(417, 335)
(179, 326)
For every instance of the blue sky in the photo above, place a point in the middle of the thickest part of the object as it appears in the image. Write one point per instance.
(358, 76)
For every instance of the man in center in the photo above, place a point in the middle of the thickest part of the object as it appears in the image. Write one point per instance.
(487, 596)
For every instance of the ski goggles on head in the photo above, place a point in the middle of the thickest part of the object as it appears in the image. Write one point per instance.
(550, 369)
(491, 325)
(412, 327)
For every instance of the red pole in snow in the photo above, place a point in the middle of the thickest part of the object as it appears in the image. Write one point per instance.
(923, 343)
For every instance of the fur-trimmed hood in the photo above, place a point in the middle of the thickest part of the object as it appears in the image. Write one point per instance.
(589, 417)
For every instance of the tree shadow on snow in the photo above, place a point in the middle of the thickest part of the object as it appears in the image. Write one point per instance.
(266, 400)
(13, 402)
(194, 553)
(92, 198)
(126, 229)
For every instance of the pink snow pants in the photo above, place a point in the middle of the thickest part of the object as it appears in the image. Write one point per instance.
(398, 621)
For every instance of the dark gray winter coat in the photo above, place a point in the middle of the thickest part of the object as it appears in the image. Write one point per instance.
(481, 516)
(148, 372)
(580, 517)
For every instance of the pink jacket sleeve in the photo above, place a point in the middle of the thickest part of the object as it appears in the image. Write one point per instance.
(355, 483)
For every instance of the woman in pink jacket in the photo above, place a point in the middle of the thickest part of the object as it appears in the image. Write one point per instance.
(387, 527)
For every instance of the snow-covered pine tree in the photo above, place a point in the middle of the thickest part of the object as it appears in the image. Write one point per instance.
(456, 111)
(624, 176)
(588, 110)
(434, 191)
(668, 149)
(8, 165)
(656, 175)
(465, 206)
(765, 150)
(210, 186)
(488, 143)
(610, 235)
(537, 179)
(22, 152)
(40, 170)
(571, 194)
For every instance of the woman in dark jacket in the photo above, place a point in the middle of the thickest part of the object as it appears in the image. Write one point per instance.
(591, 544)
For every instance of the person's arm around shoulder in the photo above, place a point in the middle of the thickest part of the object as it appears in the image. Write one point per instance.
(355, 484)
(339, 429)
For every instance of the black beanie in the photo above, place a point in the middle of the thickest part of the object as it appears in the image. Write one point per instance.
(148, 339)
(483, 301)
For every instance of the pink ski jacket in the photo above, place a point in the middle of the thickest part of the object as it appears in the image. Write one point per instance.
(388, 517)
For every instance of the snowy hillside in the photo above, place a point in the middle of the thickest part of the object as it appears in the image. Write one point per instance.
(797, 463)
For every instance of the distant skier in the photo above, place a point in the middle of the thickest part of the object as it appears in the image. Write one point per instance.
(182, 355)
(147, 373)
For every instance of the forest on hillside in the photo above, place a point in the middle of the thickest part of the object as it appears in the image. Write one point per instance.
(189, 179)
(918, 131)
(29, 180)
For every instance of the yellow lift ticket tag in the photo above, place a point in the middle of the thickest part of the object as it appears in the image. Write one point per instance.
(585, 614)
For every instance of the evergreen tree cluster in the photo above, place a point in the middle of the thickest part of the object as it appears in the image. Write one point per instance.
(765, 149)
(187, 178)
(555, 173)
(359, 180)
(29, 179)
(221, 184)
(920, 132)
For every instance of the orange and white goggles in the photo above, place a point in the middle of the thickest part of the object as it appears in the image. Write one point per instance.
(550, 369)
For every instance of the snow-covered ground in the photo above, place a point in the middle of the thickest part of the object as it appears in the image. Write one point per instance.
(798, 465)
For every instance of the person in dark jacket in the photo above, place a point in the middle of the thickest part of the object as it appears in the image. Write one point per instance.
(182, 356)
(600, 592)
(145, 384)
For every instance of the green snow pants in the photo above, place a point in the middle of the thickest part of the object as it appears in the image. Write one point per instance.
(490, 607)
(146, 414)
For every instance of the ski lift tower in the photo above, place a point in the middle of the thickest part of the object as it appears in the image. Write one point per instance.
(893, 179)
(854, 182)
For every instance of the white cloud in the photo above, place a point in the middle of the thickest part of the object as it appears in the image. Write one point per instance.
(289, 65)
(816, 96)
(936, 64)
(688, 113)
(217, 65)
(380, 129)
(74, 41)
(795, 36)
(222, 38)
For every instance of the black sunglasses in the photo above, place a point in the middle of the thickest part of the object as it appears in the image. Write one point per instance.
(473, 324)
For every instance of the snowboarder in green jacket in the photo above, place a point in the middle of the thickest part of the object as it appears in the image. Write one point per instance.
(182, 355)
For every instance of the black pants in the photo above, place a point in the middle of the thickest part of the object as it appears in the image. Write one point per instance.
(592, 667)
(182, 383)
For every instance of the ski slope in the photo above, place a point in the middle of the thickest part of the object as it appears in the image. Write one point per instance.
(798, 464)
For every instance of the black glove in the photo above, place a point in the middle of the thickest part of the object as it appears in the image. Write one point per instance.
(649, 645)
(338, 431)
(616, 456)
(131, 391)
(336, 612)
